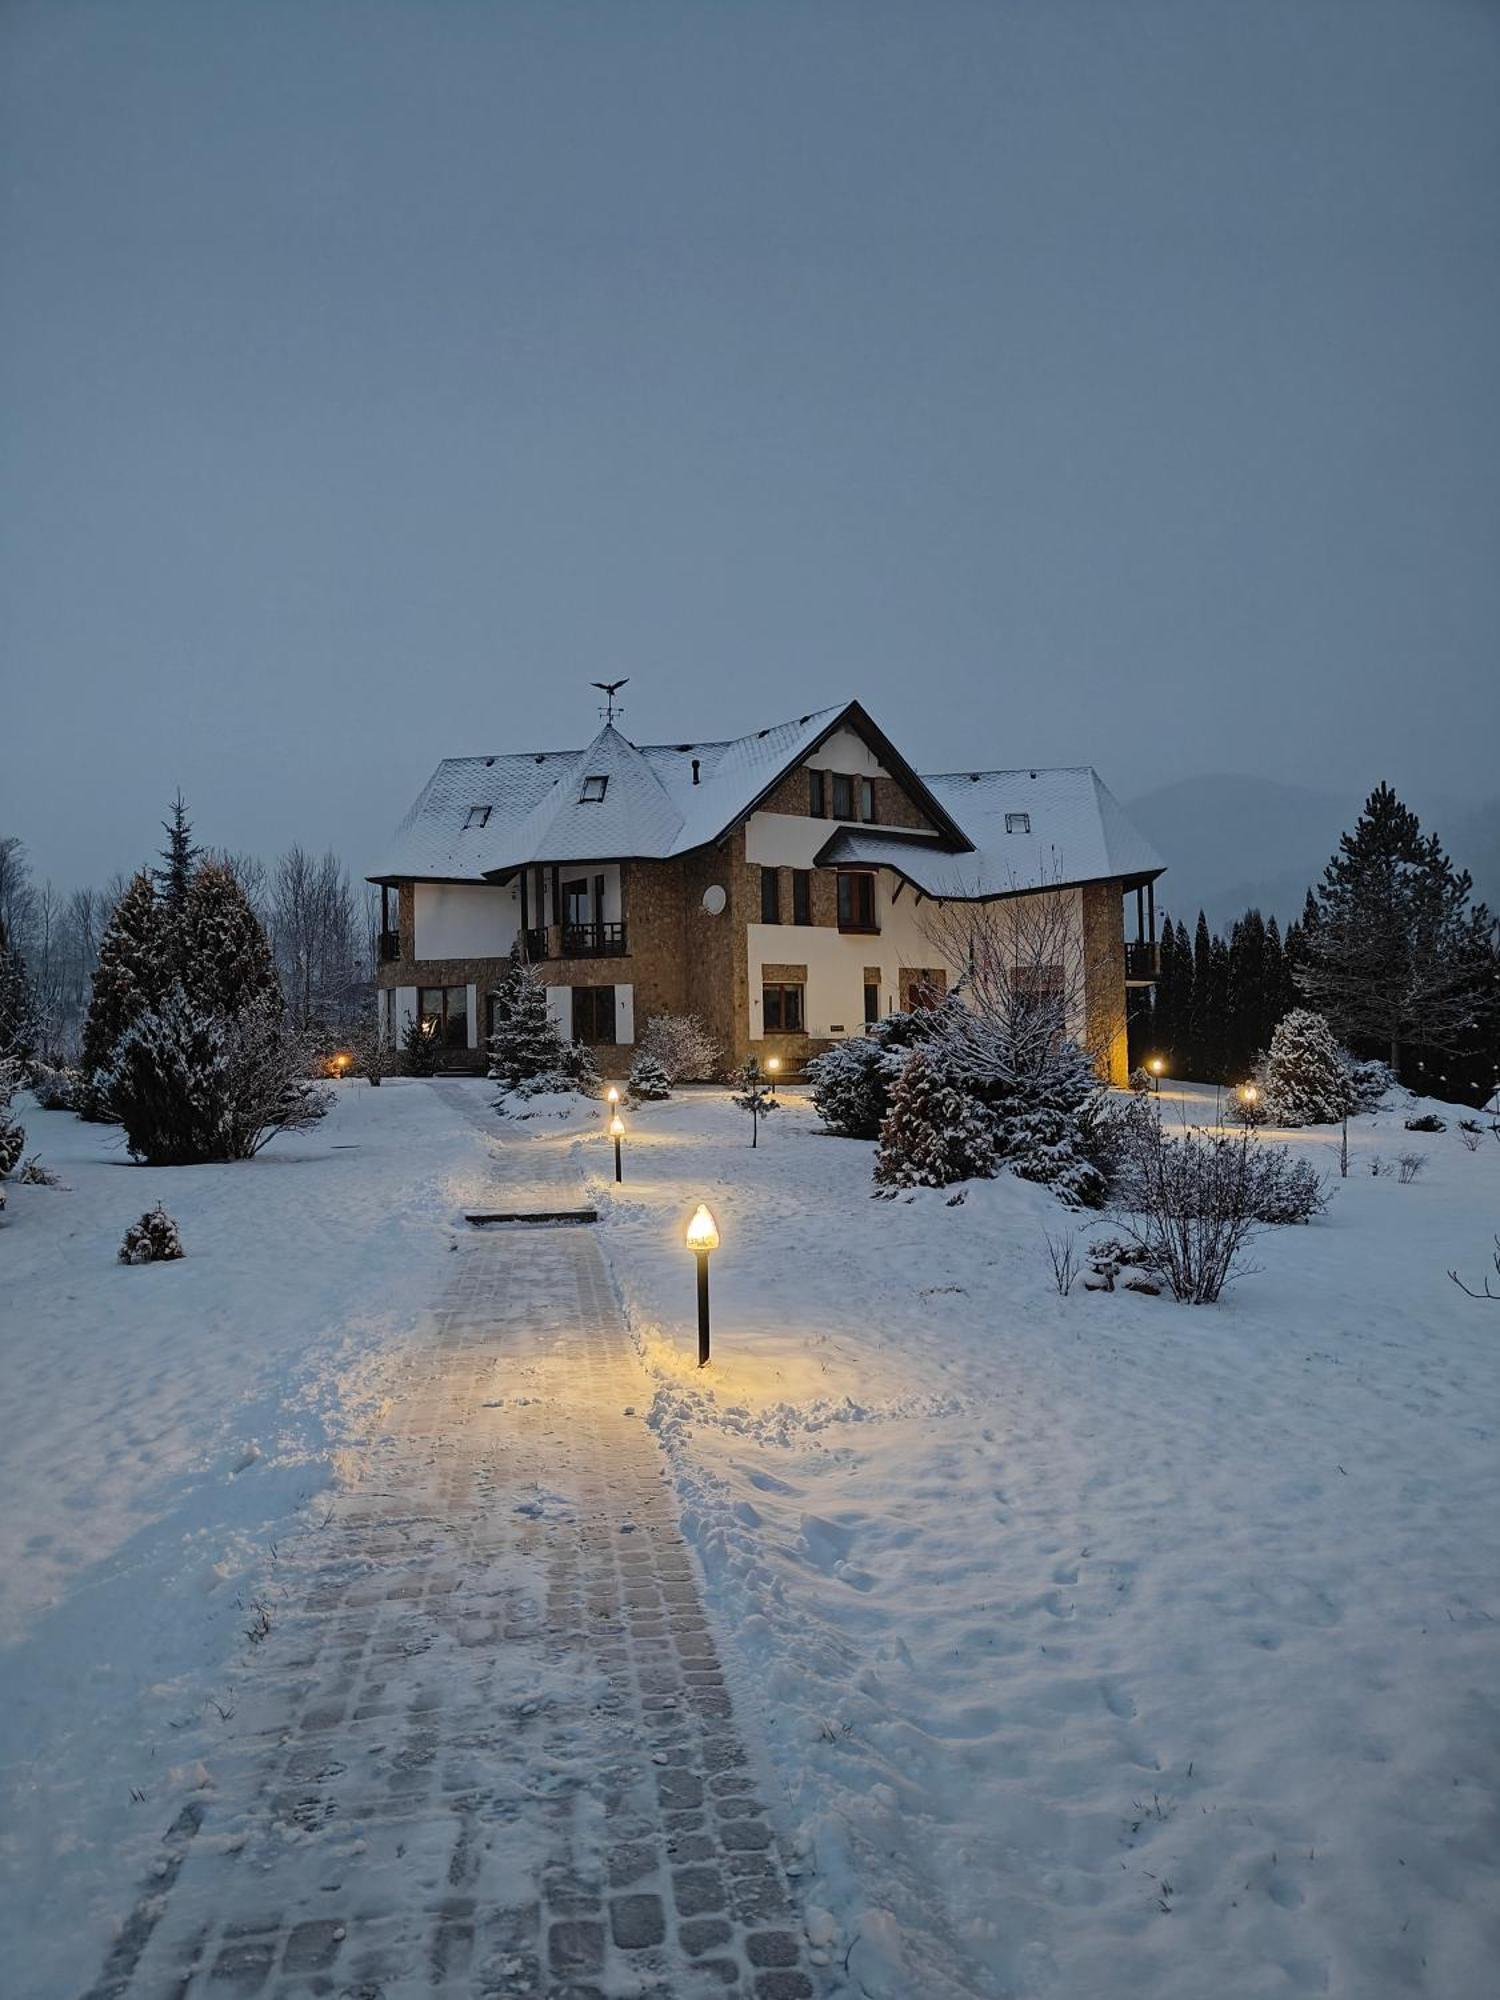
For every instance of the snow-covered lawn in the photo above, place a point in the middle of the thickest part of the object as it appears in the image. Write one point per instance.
(161, 1428)
(1104, 1644)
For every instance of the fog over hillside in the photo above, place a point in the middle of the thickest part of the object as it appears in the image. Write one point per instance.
(1232, 842)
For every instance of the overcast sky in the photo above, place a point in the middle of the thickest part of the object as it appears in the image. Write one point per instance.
(1110, 383)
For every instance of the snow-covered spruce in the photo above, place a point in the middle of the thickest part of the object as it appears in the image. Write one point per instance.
(20, 1023)
(12, 1142)
(752, 1092)
(936, 1131)
(649, 1082)
(683, 1046)
(851, 1086)
(152, 1240)
(1305, 1077)
(131, 976)
(189, 1085)
(419, 1048)
(1370, 1081)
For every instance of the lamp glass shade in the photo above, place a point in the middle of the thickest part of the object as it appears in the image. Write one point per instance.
(703, 1231)
(612, 1095)
(617, 1127)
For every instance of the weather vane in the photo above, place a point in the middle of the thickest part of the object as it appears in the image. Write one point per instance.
(609, 689)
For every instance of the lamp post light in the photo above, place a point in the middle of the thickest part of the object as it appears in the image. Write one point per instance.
(773, 1064)
(702, 1237)
(612, 1097)
(617, 1133)
(1156, 1066)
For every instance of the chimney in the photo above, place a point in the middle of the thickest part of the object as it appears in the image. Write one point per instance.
(695, 770)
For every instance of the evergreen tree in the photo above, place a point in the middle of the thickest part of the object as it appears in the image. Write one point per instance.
(169, 1084)
(1276, 986)
(649, 1082)
(419, 1048)
(1164, 1000)
(1185, 1002)
(1398, 957)
(754, 1094)
(132, 974)
(1246, 1029)
(1305, 1077)
(1216, 1052)
(526, 1048)
(20, 1027)
(219, 946)
(936, 1132)
(180, 858)
(1197, 1055)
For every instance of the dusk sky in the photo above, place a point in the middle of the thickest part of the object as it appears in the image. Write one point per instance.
(1072, 383)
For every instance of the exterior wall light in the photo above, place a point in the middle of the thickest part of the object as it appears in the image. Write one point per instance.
(702, 1237)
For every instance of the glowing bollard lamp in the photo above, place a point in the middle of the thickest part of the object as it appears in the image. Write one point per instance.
(612, 1096)
(702, 1237)
(773, 1065)
(617, 1133)
(1156, 1066)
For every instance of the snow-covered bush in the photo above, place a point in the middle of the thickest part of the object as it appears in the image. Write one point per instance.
(1140, 1080)
(152, 1240)
(34, 1174)
(189, 1085)
(1304, 1077)
(1427, 1122)
(649, 1082)
(12, 1076)
(686, 1050)
(936, 1131)
(54, 1089)
(1191, 1201)
(851, 1086)
(20, 1023)
(12, 1142)
(1370, 1082)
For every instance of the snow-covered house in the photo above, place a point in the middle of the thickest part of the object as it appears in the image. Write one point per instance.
(781, 885)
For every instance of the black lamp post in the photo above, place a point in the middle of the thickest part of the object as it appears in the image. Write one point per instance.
(702, 1237)
(617, 1133)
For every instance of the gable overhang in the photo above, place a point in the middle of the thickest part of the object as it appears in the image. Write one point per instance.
(854, 716)
(894, 839)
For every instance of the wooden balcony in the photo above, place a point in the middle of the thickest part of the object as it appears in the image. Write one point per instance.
(1142, 964)
(593, 940)
(390, 947)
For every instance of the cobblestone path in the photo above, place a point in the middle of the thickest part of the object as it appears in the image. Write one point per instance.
(485, 1746)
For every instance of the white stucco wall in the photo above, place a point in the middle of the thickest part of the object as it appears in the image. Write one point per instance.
(464, 920)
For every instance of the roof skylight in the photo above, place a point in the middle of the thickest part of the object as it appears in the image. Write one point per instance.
(593, 791)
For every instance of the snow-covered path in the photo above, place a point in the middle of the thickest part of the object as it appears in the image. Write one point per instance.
(484, 1745)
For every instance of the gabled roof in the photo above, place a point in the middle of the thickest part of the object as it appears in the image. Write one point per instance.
(651, 808)
(1068, 828)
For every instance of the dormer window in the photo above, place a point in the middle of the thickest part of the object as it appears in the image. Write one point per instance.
(478, 816)
(1018, 822)
(593, 791)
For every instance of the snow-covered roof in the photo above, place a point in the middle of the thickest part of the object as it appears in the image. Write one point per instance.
(1030, 828)
(480, 817)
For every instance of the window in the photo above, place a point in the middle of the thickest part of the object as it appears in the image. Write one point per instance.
(1018, 822)
(593, 791)
(575, 903)
(770, 895)
(817, 795)
(478, 816)
(801, 896)
(867, 800)
(781, 1009)
(923, 989)
(1038, 985)
(444, 1014)
(856, 902)
(843, 795)
(872, 1002)
(593, 1014)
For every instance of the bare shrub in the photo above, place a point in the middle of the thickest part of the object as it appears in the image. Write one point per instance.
(1062, 1254)
(684, 1048)
(1469, 1139)
(1408, 1166)
(1487, 1293)
(1191, 1202)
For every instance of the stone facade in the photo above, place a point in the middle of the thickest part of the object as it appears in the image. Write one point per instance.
(1104, 978)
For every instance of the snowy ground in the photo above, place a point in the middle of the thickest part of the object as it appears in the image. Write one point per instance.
(1100, 1640)
(162, 1427)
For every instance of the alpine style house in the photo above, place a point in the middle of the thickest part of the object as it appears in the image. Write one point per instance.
(782, 886)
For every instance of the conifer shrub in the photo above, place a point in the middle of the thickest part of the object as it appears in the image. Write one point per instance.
(751, 1091)
(12, 1142)
(851, 1086)
(528, 1055)
(936, 1131)
(1370, 1081)
(153, 1240)
(419, 1049)
(1305, 1078)
(649, 1082)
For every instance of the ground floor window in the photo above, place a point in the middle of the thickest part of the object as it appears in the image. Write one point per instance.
(922, 987)
(872, 1002)
(444, 1014)
(781, 1009)
(594, 1014)
(1041, 985)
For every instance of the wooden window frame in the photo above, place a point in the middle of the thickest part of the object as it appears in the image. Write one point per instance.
(867, 801)
(843, 784)
(817, 795)
(770, 895)
(592, 1006)
(851, 928)
(781, 988)
(872, 1002)
(801, 895)
(447, 1014)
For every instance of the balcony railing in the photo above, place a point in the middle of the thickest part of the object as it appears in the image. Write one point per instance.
(593, 940)
(390, 947)
(534, 944)
(1142, 964)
